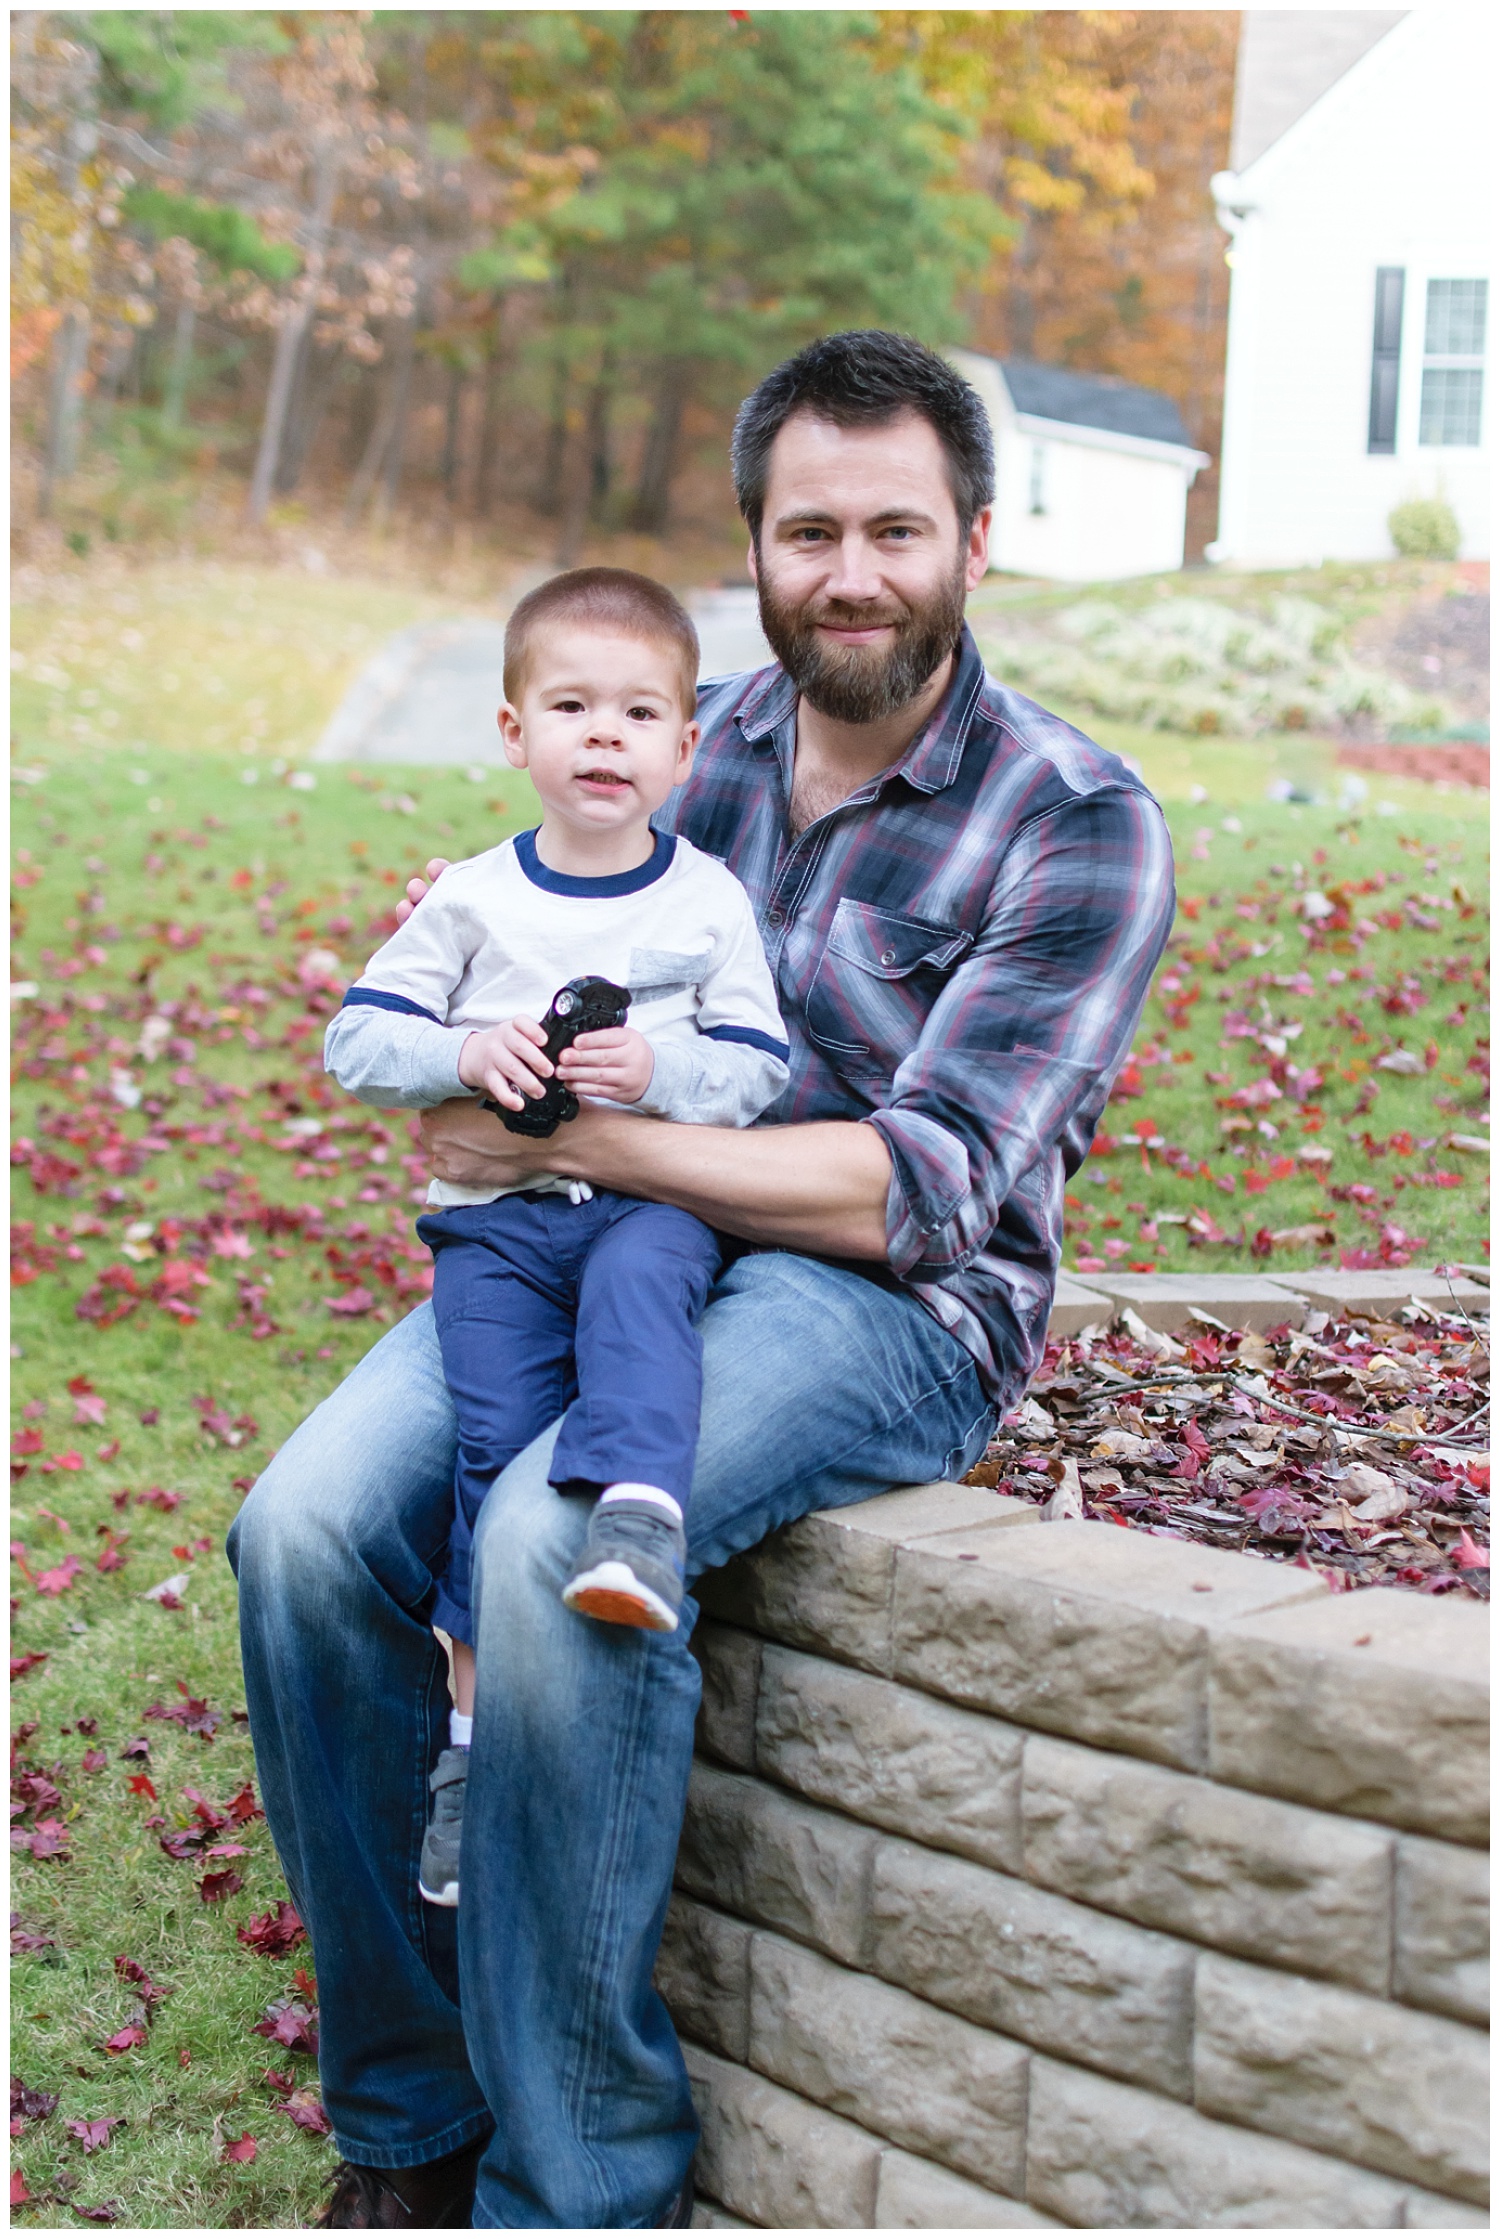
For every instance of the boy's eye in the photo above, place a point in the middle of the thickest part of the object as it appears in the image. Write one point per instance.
(641, 714)
(570, 706)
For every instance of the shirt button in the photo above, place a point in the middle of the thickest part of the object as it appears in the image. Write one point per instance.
(775, 917)
(888, 956)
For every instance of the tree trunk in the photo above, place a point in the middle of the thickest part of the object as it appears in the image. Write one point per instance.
(575, 506)
(452, 425)
(487, 462)
(289, 341)
(179, 370)
(382, 435)
(401, 386)
(65, 404)
(601, 468)
(549, 495)
(318, 375)
(654, 488)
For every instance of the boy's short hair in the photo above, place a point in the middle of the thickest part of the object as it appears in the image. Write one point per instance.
(603, 599)
(864, 378)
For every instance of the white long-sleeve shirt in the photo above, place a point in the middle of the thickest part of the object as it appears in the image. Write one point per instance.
(501, 933)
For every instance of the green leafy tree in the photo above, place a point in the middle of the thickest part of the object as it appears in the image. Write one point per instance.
(736, 188)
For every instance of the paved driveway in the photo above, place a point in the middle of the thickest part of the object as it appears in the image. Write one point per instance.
(431, 692)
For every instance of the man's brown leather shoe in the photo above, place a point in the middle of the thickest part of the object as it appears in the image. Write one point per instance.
(435, 2196)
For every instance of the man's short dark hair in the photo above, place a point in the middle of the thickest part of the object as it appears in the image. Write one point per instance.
(603, 599)
(861, 379)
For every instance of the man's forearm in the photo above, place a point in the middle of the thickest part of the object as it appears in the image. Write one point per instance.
(816, 1188)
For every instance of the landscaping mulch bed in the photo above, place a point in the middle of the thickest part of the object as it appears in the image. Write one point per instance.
(1359, 1448)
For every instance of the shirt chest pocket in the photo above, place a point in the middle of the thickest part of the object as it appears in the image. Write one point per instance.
(875, 985)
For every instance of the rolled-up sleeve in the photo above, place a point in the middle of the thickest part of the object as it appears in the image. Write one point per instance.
(1017, 1057)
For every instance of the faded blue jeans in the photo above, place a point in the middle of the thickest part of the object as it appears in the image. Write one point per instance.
(529, 2013)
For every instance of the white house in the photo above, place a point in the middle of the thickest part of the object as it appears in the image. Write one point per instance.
(1360, 205)
(1091, 474)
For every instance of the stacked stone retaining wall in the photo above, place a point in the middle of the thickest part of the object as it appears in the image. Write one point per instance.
(1051, 1873)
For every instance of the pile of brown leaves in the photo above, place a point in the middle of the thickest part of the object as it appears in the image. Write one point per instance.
(1356, 1447)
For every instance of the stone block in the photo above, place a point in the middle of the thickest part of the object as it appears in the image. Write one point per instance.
(709, 2216)
(1105, 2157)
(730, 1663)
(775, 1860)
(1384, 1291)
(1033, 1965)
(1075, 1307)
(890, 2062)
(915, 2195)
(1374, 1703)
(771, 2158)
(1081, 1629)
(703, 1972)
(1269, 1880)
(889, 1755)
(1443, 1928)
(1169, 1302)
(825, 1581)
(1429, 2211)
(1376, 2084)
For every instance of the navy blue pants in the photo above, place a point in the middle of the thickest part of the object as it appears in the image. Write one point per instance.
(542, 1307)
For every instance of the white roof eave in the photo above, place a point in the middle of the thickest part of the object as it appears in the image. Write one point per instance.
(1180, 455)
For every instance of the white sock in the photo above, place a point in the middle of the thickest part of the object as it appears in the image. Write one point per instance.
(460, 1730)
(649, 1493)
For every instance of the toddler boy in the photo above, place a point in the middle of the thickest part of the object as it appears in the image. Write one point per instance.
(554, 1299)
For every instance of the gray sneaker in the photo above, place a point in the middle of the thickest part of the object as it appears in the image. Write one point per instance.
(632, 1568)
(437, 1876)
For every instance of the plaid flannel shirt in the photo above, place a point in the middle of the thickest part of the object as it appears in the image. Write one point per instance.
(961, 950)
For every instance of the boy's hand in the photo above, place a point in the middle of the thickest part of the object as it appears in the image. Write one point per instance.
(617, 1063)
(417, 887)
(509, 1062)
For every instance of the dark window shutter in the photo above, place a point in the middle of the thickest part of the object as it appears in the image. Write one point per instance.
(1385, 365)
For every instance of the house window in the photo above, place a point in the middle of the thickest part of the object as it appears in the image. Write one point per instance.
(1385, 363)
(1453, 362)
(1038, 467)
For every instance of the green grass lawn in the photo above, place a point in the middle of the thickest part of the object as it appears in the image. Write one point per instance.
(208, 1236)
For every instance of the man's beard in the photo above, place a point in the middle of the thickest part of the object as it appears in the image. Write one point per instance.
(863, 683)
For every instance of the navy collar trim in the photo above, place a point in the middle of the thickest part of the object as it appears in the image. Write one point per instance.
(656, 866)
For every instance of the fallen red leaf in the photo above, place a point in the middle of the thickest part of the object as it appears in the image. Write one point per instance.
(59, 1580)
(92, 2135)
(1468, 1556)
(274, 1932)
(126, 2039)
(306, 2110)
(18, 2193)
(240, 2149)
(214, 1888)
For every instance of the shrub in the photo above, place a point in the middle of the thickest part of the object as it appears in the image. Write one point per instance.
(1424, 529)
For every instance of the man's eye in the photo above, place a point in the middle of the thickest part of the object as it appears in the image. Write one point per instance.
(898, 530)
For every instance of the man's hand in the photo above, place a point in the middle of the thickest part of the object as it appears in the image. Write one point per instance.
(417, 887)
(818, 1187)
(509, 1061)
(465, 1144)
(617, 1063)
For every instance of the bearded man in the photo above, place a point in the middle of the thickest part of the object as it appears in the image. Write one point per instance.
(962, 900)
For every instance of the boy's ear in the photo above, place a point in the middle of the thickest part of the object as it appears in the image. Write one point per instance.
(510, 736)
(686, 751)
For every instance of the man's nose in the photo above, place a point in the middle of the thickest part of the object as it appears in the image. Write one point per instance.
(855, 571)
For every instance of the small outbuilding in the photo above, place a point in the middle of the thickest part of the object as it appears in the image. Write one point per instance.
(1091, 474)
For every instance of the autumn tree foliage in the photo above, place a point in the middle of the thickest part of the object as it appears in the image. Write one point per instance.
(537, 256)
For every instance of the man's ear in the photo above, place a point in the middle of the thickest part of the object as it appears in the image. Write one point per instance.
(510, 736)
(751, 563)
(978, 557)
